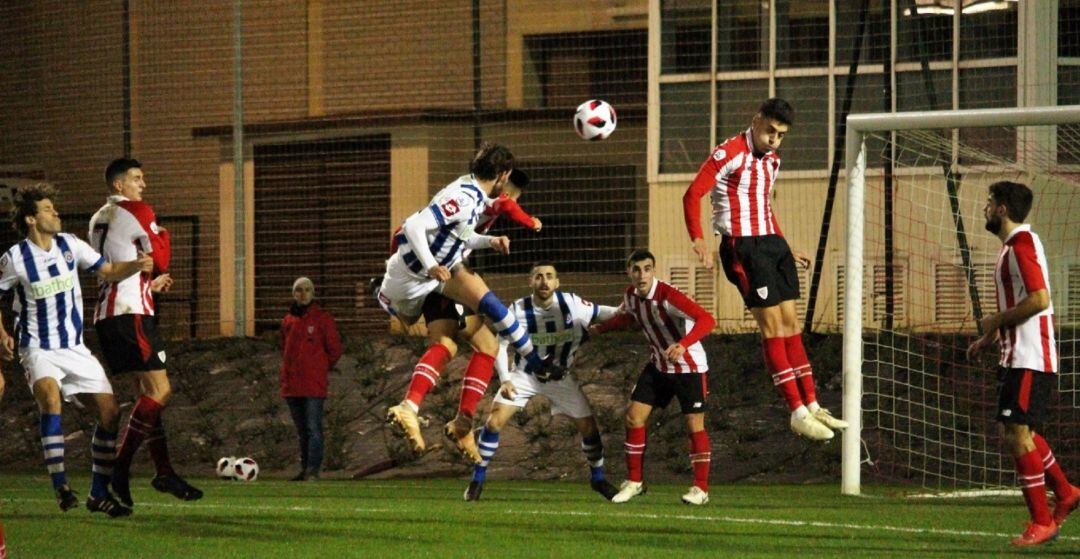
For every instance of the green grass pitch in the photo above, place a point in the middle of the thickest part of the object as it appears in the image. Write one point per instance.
(428, 518)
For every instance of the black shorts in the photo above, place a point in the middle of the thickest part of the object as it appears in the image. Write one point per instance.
(439, 307)
(130, 343)
(657, 389)
(1023, 396)
(762, 267)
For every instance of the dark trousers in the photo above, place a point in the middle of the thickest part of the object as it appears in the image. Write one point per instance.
(307, 414)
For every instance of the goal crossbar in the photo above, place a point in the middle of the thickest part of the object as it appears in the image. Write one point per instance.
(858, 126)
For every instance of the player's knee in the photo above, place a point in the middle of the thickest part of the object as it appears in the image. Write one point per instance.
(448, 343)
(485, 344)
(109, 415)
(633, 421)
(161, 393)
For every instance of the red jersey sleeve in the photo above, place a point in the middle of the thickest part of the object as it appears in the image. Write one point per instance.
(703, 321)
(620, 321)
(1027, 259)
(703, 183)
(511, 209)
(160, 247)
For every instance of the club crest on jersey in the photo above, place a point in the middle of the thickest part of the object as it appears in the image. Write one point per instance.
(68, 257)
(763, 292)
(310, 329)
(719, 155)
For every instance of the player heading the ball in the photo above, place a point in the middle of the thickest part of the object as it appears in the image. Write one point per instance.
(739, 174)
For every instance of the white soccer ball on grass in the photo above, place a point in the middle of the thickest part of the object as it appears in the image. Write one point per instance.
(225, 467)
(246, 469)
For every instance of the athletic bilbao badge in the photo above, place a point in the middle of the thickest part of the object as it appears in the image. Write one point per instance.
(763, 292)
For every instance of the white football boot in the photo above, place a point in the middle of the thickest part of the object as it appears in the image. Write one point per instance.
(404, 419)
(825, 418)
(628, 490)
(811, 428)
(695, 496)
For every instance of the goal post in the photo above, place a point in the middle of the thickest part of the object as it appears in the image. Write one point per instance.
(1047, 152)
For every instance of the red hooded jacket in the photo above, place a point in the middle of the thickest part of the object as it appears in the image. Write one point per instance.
(310, 348)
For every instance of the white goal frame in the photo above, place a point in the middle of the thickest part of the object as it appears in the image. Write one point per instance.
(858, 126)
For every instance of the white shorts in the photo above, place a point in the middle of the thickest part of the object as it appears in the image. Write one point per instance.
(75, 369)
(402, 293)
(565, 395)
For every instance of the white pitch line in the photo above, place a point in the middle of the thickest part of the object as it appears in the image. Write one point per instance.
(781, 522)
(635, 515)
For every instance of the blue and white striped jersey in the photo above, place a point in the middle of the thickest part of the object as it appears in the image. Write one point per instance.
(561, 328)
(457, 209)
(48, 301)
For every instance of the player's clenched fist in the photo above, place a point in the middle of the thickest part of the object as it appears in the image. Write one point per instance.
(501, 244)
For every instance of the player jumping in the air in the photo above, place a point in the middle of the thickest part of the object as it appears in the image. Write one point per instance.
(558, 323)
(429, 260)
(43, 272)
(1024, 326)
(125, 321)
(740, 175)
(444, 321)
(674, 325)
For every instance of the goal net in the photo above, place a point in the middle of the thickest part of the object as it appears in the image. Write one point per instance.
(920, 269)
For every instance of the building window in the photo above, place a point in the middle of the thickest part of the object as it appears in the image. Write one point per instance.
(569, 68)
(607, 221)
(803, 71)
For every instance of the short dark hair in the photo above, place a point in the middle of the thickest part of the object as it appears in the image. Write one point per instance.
(24, 204)
(778, 110)
(1014, 196)
(639, 255)
(539, 263)
(491, 161)
(118, 167)
(519, 178)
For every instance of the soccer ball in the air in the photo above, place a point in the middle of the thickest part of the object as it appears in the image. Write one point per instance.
(594, 120)
(225, 467)
(245, 469)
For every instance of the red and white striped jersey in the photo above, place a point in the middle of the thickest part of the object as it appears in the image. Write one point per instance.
(741, 184)
(119, 230)
(666, 315)
(1021, 269)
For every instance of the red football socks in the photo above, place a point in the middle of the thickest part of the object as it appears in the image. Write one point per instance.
(477, 375)
(783, 376)
(1054, 474)
(1033, 484)
(635, 453)
(144, 416)
(426, 373)
(804, 375)
(700, 458)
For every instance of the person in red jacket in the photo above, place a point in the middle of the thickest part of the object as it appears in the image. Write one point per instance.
(310, 348)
